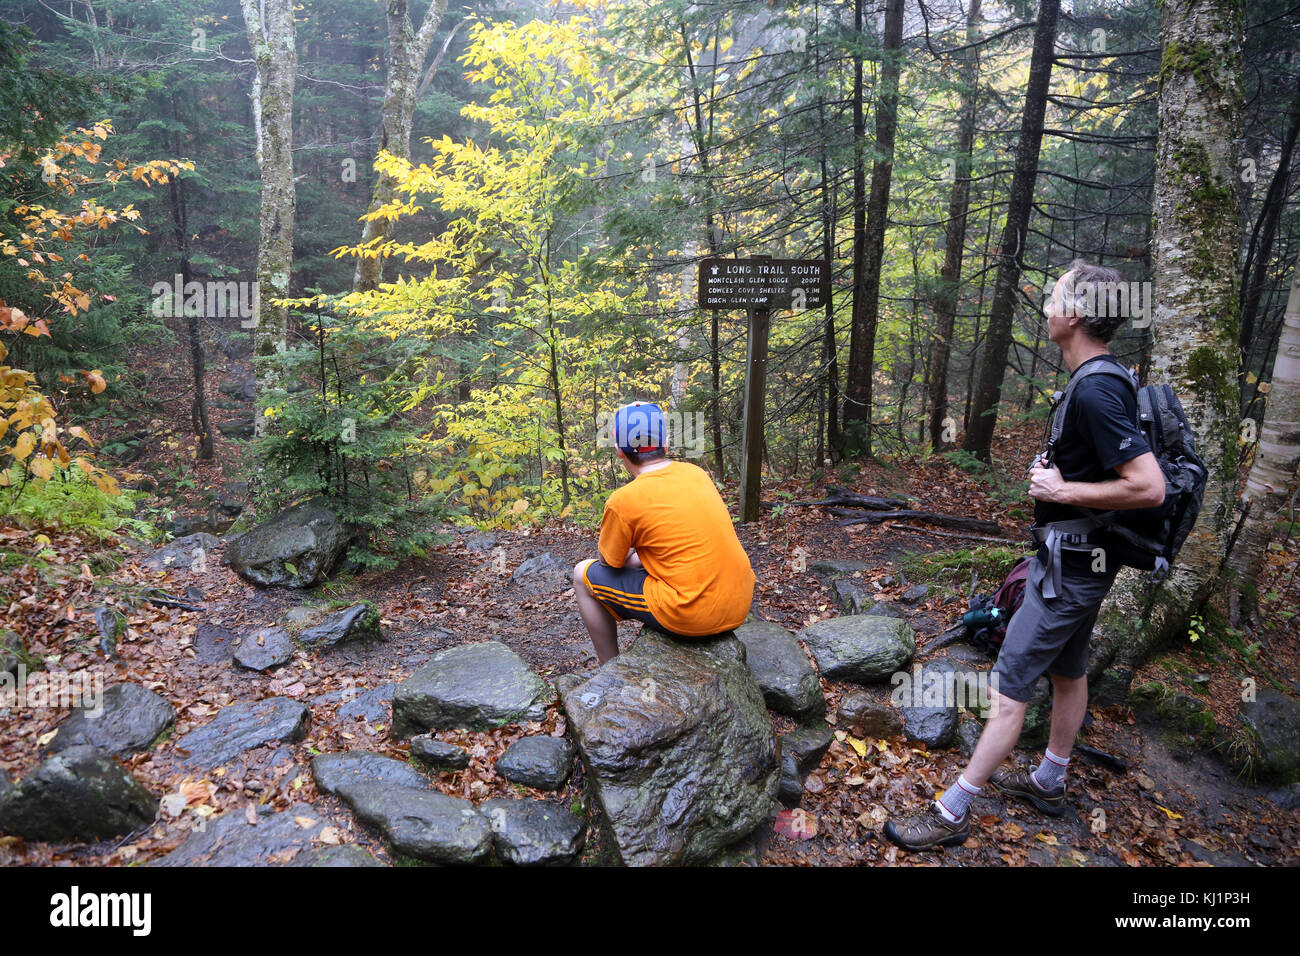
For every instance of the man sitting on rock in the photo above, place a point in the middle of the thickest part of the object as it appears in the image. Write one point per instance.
(1100, 461)
(669, 555)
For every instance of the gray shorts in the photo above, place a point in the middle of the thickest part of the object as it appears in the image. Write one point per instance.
(1049, 636)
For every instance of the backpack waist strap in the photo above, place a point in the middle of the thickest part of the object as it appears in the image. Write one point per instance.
(1057, 536)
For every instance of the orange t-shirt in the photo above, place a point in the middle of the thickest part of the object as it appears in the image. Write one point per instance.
(699, 580)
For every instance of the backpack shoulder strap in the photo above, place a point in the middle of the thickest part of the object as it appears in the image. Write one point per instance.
(1089, 368)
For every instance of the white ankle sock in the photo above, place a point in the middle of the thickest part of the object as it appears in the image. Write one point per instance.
(955, 801)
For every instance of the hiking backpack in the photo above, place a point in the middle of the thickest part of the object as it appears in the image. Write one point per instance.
(986, 621)
(1154, 535)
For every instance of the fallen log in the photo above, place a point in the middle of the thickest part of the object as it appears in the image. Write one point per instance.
(957, 534)
(973, 525)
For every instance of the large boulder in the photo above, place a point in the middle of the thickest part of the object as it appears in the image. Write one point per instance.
(333, 771)
(533, 832)
(541, 762)
(191, 551)
(476, 686)
(781, 667)
(129, 718)
(296, 548)
(860, 647)
(678, 747)
(423, 824)
(242, 727)
(1273, 719)
(231, 839)
(80, 794)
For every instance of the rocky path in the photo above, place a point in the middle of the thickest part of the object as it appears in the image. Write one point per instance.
(439, 715)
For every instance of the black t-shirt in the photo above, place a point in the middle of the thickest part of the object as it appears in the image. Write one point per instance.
(1100, 433)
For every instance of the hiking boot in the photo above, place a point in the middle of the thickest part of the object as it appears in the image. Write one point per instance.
(927, 828)
(1021, 783)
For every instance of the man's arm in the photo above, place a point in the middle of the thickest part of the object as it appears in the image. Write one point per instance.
(615, 539)
(1141, 484)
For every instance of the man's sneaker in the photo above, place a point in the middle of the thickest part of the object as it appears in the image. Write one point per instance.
(1021, 783)
(926, 828)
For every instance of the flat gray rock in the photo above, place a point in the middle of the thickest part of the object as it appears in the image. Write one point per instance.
(214, 645)
(543, 572)
(852, 595)
(130, 718)
(186, 553)
(533, 832)
(782, 669)
(540, 762)
(865, 715)
(264, 649)
(438, 754)
(423, 824)
(860, 647)
(927, 697)
(228, 839)
(347, 855)
(332, 771)
(828, 569)
(357, 623)
(369, 705)
(240, 727)
(801, 751)
(476, 686)
(81, 794)
(678, 746)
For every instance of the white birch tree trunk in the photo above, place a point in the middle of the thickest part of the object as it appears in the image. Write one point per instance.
(271, 38)
(1197, 242)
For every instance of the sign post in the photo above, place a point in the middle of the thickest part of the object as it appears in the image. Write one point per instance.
(759, 285)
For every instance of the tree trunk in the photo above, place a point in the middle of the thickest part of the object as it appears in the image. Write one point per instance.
(407, 50)
(949, 286)
(988, 390)
(1196, 242)
(869, 242)
(1260, 251)
(271, 38)
(1273, 476)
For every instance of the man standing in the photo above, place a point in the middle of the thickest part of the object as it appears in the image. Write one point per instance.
(1101, 462)
(669, 555)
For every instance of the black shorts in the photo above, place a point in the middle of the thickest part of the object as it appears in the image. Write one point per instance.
(1049, 635)
(621, 591)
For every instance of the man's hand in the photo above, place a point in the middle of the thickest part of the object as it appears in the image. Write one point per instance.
(1140, 484)
(1045, 484)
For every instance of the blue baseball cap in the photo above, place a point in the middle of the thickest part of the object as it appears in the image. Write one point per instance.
(639, 426)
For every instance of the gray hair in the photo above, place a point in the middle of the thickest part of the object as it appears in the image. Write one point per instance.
(1085, 284)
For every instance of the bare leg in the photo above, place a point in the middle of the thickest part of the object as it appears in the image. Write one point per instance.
(601, 626)
(1069, 704)
(998, 739)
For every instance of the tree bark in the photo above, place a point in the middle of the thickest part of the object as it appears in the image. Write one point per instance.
(869, 225)
(1196, 242)
(275, 57)
(945, 301)
(988, 389)
(407, 50)
(1272, 478)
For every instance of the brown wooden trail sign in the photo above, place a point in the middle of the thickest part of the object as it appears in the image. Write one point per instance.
(759, 285)
(763, 283)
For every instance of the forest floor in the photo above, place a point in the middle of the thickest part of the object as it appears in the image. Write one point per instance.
(1172, 805)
